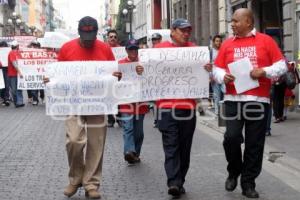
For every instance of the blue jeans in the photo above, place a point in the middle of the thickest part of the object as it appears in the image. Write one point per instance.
(218, 91)
(16, 94)
(133, 132)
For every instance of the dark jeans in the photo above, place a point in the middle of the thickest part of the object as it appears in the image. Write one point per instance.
(177, 136)
(5, 91)
(253, 116)
(278, 100)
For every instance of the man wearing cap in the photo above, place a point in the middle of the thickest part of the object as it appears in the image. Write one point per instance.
(85, 169)
(155, 39)
(177, 134)
(113, 41)
(132, 114)
(13, 72)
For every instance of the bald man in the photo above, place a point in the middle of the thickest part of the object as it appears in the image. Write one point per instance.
(248, 109)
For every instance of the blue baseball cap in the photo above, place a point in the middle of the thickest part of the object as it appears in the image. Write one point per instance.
(132, 44)
(181, 23)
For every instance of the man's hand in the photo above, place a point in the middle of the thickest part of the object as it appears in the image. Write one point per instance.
(257, 73)
(46, 80)
(139, 69)
(208, 67)
(228, 78)
(118, 75)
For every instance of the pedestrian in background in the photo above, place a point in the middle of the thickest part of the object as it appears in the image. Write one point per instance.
(5, 91)
(85, 167)
(249, 109)
(132, 115)
(13, 72)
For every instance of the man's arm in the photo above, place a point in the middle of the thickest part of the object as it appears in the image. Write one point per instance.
(275, 70)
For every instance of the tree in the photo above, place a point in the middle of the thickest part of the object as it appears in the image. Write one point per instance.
(121, 23)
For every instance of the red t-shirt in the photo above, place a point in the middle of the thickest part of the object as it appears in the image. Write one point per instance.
(133, 108)
(72, 51)
(175, 103)
(12, 57)
(262, 52)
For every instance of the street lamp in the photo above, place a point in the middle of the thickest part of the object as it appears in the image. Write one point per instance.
(129, 9)
(14, 21)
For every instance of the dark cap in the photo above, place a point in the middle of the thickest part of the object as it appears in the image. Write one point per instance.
(181, 23)
(156, 36)
(88, 28)
(132, 44)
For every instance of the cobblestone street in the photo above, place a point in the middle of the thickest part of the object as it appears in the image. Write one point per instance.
(33, 164)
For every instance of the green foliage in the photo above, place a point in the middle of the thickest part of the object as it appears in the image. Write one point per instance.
(121, 24)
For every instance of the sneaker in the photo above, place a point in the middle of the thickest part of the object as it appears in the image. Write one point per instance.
(35, 103)
(70, 190)
(92, 194)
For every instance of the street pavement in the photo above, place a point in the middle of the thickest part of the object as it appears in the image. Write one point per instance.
(33, 162)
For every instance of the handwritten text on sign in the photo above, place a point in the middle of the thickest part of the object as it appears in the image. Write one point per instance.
(32, 66)
(81, 88)
(174, 73)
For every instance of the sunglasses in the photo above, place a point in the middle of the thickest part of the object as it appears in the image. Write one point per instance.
(113, 36)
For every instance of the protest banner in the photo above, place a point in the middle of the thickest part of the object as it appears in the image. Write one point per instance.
(81, 88)
(23, 41)
(2, 84)
(4, 51)
(32, 66)
(174, 73)
(128, 89)
(119, 52)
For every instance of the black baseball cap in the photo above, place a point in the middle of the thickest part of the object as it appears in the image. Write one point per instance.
(181, 23)
(132, 44)
(88, 28)
(156, 36)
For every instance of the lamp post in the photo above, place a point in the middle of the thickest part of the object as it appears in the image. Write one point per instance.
(14, 21)
(129, 10)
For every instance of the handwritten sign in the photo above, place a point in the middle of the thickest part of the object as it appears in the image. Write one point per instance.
(174, 73)
(129, 88)
(32, 66)
(119, 52)
(2, 84)
(4, 51)
(81, 88)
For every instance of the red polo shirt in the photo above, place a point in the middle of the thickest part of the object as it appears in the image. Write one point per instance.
(12, 57)
(262, 51)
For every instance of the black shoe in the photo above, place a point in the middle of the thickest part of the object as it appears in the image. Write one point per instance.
(20, 105)
(119, 123)
(174, 191)
(110, 125)
(230, 184)
(250, 193)
(130, 157)
(182, 190)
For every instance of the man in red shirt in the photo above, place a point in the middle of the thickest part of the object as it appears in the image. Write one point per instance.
(249, 108)
(132, 115)
(113, 41)
(85, 169)
(13, 72)
(177, 134)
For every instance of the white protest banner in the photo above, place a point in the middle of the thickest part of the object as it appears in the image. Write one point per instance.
(174, 73)
(4, 51)
(119, 52)
(53, 40)
(2, 84)
(24, 41)
(128, 89)
(81, 88)
(32, 66)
